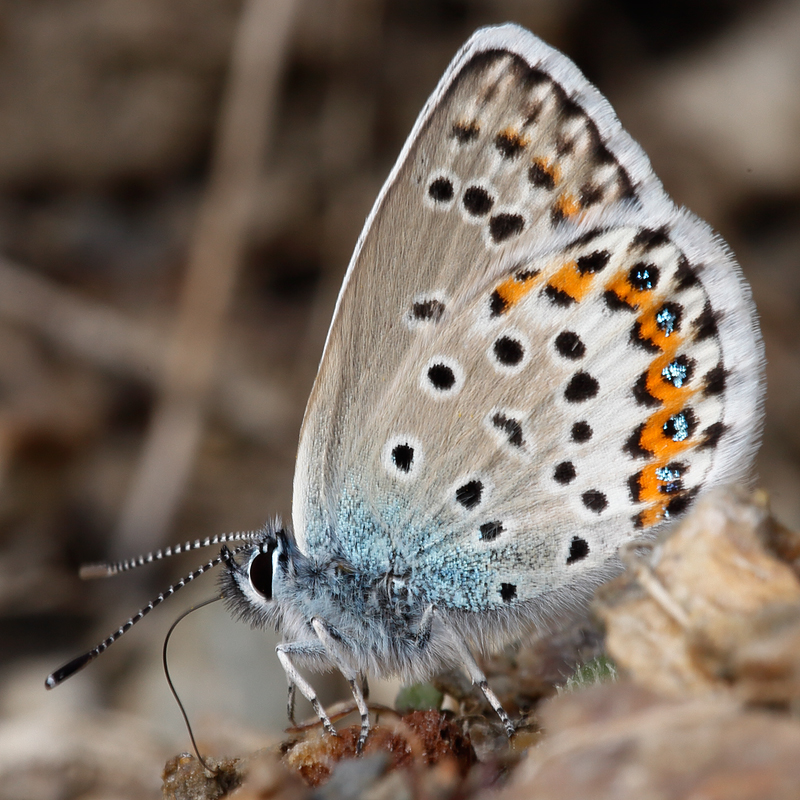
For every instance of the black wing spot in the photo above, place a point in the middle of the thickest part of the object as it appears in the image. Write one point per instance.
(633, 446)
(589, 236)
(465, 132)
(581, 432)
(565, 473)
(525, 275)
(428, 310)
(581, 387)
(626, 188)
(541, 177)
(635, 487)
(615, 302)
(714, 381)
(441, 190)
(508, 351)
(489, 531)
(557, 296)
(590, 194)
(643, 395)
(602, 154)
(578, 550)
(711, 436)
(569, 345)
(686, 275)
(593, 262)
(678, 505)
(504, 226)
(508, 591)
(649, 238)
(570, 107)
(511, 427)
(469, 495)
(509, 145)
(497, 304)
(403, 457)
(638, 338)
(595, 501)
(477, 201)
(441, 377)
(705, 326)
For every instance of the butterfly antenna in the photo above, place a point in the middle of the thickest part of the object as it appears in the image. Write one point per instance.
(105, 569)
(174, 625)
(71, 667)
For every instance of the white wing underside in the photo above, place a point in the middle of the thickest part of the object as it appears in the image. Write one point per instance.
(516, 183)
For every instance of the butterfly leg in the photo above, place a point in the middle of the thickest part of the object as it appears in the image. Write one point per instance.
(285, 652)
(425, 627)
(475, 673)
(479, 679)
(331, 640)
(290, 702)
(364, 685)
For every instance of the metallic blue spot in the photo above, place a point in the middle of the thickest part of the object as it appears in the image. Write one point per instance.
(675, 372)
(668, 473)
(666, 320)
(644, 278)
(677, 427)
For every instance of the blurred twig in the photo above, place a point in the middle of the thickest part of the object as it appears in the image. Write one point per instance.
(214, 260)
(107, 338)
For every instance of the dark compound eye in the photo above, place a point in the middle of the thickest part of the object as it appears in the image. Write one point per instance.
(261, 574)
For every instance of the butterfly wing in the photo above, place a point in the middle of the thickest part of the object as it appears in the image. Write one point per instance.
(534, 353)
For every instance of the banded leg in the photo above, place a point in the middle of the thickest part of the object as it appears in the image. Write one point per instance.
(475, 673)
(479, 679)
(331, 640)
(285, 652)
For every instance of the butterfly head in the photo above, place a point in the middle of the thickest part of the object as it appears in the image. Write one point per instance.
(251, 583)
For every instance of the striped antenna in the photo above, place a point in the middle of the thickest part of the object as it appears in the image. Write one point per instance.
(105, 569)
(71, 667)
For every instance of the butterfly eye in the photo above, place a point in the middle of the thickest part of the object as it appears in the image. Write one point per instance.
(261, 574)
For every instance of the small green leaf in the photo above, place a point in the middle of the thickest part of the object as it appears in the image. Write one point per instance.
(418, 697)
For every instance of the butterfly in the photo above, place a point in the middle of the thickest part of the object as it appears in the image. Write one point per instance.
(535, 357)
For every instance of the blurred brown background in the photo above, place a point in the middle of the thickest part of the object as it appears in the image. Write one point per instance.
(181, 185)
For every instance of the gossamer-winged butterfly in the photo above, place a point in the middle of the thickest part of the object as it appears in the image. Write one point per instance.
(535, 357)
